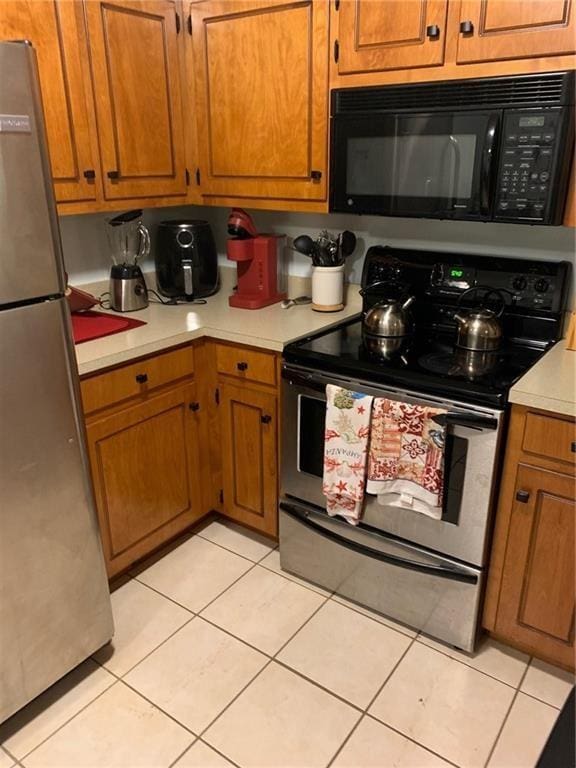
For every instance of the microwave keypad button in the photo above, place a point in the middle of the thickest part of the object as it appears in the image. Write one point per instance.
(544, 176)
(548, 138)
(534, 176)
(527, 153)
(536, 137)
(523, 139)
(511, 138)
(547, 152)
(503, 205)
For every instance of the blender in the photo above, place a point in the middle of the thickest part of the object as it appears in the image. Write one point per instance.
(129, 242)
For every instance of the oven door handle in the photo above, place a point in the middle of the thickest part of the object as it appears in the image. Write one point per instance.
(362, 549)
(473, 420)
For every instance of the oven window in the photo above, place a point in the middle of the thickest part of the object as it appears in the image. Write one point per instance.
(311, 429)
(424, 166)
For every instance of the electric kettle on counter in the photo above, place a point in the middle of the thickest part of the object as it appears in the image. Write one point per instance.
(129, 242)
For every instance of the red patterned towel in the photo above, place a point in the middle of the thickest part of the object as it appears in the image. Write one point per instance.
(345, 451)
(406, 457)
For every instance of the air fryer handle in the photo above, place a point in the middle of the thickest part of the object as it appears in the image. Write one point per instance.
(188, 277)
(488, 159)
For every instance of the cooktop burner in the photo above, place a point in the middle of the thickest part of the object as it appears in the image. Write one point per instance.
(428, 363)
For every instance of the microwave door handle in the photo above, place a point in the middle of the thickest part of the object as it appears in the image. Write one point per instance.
(488, 158)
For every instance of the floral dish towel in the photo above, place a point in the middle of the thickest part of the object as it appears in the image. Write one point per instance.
(345, 452)
(406, 457)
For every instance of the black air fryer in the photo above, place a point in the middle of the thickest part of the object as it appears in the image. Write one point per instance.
(186, 260)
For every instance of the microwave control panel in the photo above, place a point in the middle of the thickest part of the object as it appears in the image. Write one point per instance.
(526, 165)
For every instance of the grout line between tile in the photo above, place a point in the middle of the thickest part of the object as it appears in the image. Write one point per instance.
(220, 753)
(55, 731)
(171, 599)
(505, 720)
(233, 551)
(353, 607)
(183, 753)
(470, 666)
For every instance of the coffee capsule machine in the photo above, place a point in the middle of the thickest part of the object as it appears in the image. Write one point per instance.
(258, 260)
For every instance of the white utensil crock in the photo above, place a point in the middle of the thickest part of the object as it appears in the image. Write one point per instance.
(328, 288)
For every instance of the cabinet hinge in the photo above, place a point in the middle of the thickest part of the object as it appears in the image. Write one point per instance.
(189, 23)
(336, 51)
(221, 496)
(187, 177)
(177, 22)
(337, 5)
(198, 176)
(217, 396)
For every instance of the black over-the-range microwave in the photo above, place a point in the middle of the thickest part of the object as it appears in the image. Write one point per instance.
(495, 149)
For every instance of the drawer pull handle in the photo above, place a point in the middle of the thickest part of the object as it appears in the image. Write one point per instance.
(194, 406)
(242, 366)
(523, 496)
(89, 174)
(113, 175)
(573, 446)
(142, 378)
(433, 31)
(265, 418)
(466, 28)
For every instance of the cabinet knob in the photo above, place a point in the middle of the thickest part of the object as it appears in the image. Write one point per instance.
(433, 31)
(194, 406)
(89, 174)
(141, 378)
(466, 27)
(265, 418)
(113, 174)
(242, 366)
(315, 175)
(523, 496)
(573, 446)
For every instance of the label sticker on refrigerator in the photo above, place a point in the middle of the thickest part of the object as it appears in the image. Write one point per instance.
(15, 124)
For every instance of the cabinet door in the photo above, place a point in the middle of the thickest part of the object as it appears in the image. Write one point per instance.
(249, 457)
(375, 36)
(56, 32)
(536, 606)
(261, 89)
(144, 463)
(136, 72)
(516, 29)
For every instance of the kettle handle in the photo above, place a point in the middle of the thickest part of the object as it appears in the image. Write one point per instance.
(144, 249)
(488, 292)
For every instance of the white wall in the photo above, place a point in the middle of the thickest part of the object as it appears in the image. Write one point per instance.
(86, 251)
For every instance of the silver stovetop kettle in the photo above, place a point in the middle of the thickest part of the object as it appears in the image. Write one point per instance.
(480, 329)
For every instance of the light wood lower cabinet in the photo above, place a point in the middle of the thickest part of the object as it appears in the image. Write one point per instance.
(249, 433)
(145, 471)
(531, 590)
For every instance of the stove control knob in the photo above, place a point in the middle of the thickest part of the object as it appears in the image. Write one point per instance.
(541, 286)
(519, 283)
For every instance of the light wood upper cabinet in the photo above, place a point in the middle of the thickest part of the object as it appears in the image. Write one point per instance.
(389, 34)
(262, 97)
(56, 31)
(516, 29)
(137, 87)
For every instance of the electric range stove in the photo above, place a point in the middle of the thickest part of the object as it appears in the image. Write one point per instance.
(429, 361)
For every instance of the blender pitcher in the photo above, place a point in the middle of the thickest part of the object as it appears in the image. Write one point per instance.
(129, 242)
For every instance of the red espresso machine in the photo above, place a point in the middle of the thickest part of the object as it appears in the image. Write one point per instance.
(256, 258)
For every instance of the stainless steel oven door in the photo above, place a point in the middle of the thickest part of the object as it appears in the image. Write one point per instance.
(472, 445)
(425, 591)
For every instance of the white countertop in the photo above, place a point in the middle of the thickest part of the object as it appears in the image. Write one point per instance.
(166, 326)
(550, 384)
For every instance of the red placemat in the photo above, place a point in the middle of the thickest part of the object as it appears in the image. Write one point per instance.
(90, 325)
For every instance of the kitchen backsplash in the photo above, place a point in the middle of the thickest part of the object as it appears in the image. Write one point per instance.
(86, 249)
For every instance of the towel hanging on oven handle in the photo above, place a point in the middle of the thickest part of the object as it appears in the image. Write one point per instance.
(473, 420)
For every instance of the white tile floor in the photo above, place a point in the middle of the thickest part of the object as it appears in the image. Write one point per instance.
(220, 659)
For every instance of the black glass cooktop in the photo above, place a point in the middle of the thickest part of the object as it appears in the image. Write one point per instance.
(427, 364)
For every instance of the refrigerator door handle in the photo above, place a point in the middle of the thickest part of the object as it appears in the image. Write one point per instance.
(304, 518)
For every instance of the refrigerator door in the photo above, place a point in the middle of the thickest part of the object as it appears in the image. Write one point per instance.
(30, 257)
(54, 599)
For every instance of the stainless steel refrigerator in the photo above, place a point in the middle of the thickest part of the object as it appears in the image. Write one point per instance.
(54, 599)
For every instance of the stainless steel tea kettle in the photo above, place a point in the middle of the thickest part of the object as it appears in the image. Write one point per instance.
(387, 325)
(479, 330)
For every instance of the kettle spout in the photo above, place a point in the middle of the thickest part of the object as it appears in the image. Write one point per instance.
(408, 302)
(459, 318)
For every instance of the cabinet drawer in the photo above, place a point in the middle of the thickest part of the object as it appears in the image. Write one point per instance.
(136, 379)
(550, 437)
(245, 363)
